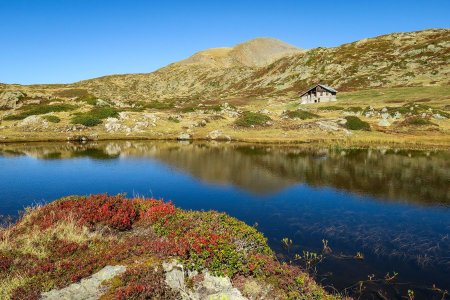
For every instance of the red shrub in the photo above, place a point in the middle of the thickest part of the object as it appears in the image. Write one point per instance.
(117, 212)
(5, 262)
(158, 211)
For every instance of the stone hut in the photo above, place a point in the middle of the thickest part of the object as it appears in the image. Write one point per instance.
(318, 93)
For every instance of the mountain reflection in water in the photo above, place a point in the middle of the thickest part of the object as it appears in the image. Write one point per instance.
(420, 177)
(393, 206)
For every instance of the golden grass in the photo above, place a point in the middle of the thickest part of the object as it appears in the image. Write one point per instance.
(9, 284)
(34, 241)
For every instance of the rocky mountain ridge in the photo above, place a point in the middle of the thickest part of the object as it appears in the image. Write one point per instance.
(267, 67)
(400, 59)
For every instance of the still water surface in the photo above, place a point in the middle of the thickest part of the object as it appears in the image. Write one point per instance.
(391, 206)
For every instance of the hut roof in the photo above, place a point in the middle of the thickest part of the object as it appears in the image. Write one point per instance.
(326, 87)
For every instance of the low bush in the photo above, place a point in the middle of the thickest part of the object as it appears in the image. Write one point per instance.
(417, 121)
(86, 120)
(95, 116)
(300, 114)
(52, 119)
(248, 119)
(40, 109)
(355, 123)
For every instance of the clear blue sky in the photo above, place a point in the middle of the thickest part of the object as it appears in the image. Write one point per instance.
(62, 41)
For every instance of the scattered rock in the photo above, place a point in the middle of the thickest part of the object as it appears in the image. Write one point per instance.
(184, 136)
(210, 287)
(328, 125)
(112, 125)
(264, 111)
(87, 289)
(76, 127)
(397, 115)
(218, 135)
(79, 138)
(33, 123)
(101, 102)
(384, 110)
(439, 117)
(174, 275)
(384, 122)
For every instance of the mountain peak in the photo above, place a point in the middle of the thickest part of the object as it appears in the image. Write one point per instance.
(256, 52)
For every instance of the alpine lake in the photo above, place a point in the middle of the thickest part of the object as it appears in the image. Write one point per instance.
(370, 223)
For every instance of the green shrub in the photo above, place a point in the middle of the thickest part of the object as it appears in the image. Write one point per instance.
(88, 99)
(40, 110)
(104, 112)
(355, 123)
(331, 108)
(95, 116)
(86, 120)
(300, 114)
(248, 119)
(52, 119)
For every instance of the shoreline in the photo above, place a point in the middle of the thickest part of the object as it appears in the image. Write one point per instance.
(331, 142)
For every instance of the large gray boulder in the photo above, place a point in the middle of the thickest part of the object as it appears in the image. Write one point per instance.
(10, 99)
(88, 288)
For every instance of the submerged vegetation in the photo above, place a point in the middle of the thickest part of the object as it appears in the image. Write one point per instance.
(74, 237)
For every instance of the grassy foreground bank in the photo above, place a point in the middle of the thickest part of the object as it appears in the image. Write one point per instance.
(70, 239)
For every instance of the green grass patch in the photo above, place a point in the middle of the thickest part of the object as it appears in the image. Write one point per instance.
(40, 109)
(300, 114)
(355, 123)
(95, 116)
(248, 119)
(52, 119)
(331, 108)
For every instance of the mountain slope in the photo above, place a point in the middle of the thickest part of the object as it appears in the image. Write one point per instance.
(399, 59)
